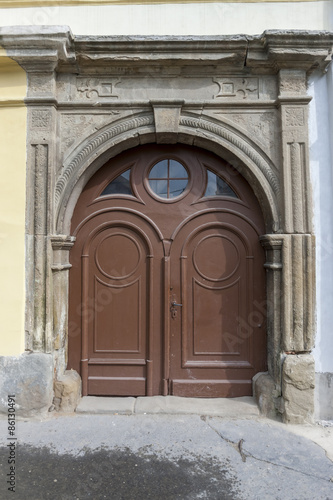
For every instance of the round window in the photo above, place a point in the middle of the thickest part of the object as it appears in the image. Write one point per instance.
(168, 179)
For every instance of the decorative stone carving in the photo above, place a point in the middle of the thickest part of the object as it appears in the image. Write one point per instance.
(95, 142)
(237, 88)
(74, 126)
(237, 141)
(260, 125)
(40, 119)
(93, 88)
(294, 117)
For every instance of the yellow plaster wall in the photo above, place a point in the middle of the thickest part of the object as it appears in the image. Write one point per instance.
(13, 128)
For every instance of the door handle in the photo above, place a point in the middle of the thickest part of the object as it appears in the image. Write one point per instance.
(173, 309)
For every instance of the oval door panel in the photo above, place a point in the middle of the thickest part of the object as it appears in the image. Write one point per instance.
(216, 257)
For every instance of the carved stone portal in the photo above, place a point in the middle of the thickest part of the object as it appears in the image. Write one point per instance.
(242, 98)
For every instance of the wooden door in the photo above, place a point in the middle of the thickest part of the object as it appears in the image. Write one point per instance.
(167, 288)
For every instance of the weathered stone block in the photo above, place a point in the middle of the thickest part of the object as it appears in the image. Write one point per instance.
(30, 378)
(264, 392)
(298, 382)
(67, 391)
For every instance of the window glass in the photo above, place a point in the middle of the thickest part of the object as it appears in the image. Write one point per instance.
(217, 186)
(177, 187)
(119, 185)
(160, 187)
(177, 170)
(168, 179)
(160, 170)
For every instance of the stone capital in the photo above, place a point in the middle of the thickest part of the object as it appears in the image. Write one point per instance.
(38, 49)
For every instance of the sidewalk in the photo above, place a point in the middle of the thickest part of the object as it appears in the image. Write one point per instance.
(167, 448)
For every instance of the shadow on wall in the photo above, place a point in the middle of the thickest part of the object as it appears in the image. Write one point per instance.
(321, 169)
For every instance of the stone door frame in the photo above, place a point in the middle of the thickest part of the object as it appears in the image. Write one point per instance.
(243, 98)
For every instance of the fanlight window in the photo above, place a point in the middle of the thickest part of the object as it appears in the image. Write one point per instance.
(217, 186)
(119, 185)
(168, 179)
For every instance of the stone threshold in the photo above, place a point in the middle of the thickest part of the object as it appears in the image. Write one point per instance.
(244, 407)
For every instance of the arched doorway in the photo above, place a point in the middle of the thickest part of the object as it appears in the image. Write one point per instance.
(167, 284)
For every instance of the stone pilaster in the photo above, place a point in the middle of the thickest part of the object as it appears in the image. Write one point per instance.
(293, 103)
(298, 256)
(61, 246)
(273, 245)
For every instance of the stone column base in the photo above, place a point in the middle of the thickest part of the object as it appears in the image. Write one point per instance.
(67, 391)
(28, 377)
(298, 383)
(266, 395)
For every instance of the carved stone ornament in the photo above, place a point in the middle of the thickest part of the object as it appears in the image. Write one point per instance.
(294, 117)
(94, 88)
(243, 98)
(40, 119)
(238, 88)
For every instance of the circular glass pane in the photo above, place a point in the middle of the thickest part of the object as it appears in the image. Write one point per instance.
(168, 179)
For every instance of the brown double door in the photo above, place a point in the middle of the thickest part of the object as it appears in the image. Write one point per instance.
(167, 280)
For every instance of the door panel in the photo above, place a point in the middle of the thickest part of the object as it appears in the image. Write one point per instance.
(167, 286)
(212, 270)
(118, 292)
(209, 336)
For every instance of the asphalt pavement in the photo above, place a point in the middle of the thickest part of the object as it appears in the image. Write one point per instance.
(164, 455)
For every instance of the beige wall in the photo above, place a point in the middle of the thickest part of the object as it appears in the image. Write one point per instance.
(12, 204)
(176, 17)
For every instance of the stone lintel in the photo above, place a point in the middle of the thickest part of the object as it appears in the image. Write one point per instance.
(46, 47)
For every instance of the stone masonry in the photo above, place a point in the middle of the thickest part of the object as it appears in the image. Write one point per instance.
(244, 98)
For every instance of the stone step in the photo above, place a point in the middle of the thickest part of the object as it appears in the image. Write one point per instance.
(244, 407)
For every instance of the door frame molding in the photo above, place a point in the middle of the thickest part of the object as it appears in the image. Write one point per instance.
(243, 98)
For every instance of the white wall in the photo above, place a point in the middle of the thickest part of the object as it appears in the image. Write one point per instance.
(176, 19)
(321, 166)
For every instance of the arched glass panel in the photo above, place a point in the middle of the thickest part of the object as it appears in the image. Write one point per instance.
(168, 179)
(119, 185)
(217, 186)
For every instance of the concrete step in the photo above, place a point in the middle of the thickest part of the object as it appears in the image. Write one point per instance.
(244, 407)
